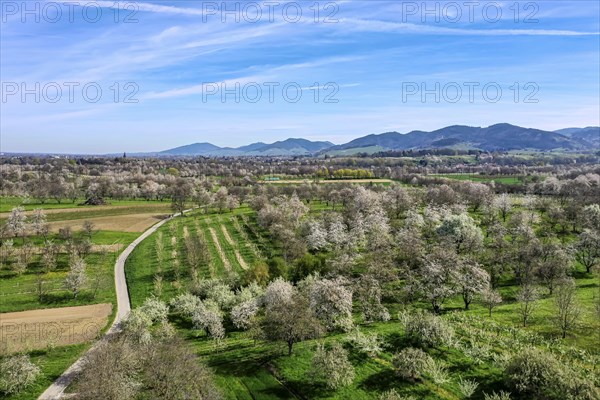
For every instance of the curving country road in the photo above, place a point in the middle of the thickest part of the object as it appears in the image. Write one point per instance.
(56, 390)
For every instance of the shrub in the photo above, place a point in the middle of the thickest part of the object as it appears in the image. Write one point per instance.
(393, 395)
(155, 309)
(467, 387)
(536, 374)
(426, 330)
(331, 365)
(410, 363)
(497, 396)
(370, 344)
(217, 291)
(185, 304)
(437, 371)
(137, 326)
(16, 373)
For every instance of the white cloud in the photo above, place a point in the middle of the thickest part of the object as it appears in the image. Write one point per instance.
(410, 28)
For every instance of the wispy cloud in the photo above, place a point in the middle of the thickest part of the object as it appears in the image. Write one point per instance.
(355, 24)
(148, 7)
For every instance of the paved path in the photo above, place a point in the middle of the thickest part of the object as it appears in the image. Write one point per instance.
(56, 390)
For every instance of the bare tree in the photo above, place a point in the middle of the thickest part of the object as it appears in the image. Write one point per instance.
(490, 299)
(567, 310)
(89, 228)
(527, 297)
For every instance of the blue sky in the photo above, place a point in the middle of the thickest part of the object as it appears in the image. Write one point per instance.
(175, 55)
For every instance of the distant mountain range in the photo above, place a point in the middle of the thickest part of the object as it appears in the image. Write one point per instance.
(500, 137)
(289, 147)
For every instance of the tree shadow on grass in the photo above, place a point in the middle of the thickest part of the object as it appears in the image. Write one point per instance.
(66, 298)
(396, 342)
(381, 382)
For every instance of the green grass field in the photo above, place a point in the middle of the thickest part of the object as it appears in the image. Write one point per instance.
(508, 180)
(142, 266)
(18, 292)
(8, 203)
(52, 362)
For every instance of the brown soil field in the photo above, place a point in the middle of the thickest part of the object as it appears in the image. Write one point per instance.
(37, 329)
(124, 223)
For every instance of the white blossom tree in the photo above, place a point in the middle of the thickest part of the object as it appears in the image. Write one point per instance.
(587, 249)
(490, 298)
(15, 223)
(242, 314)
(462, 232)
(368, 293)
(16, 373)
(567, 308)
(331, 365)
(38, 222)
(155, 309)
(331, 300)
(316, 238)
(591, 216)
(208, 317)
(278, 291)
(472, 280)
(503, 203)
(437, 279)
(76, 277)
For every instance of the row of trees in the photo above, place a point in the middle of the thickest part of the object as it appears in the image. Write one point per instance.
(69, 179)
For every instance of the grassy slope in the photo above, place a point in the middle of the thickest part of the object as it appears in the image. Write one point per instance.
(247, 370)
(510, 180)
